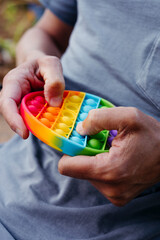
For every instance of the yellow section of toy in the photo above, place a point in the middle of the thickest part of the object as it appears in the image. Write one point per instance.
(61, 120)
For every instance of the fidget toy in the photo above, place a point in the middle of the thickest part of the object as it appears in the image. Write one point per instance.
(56, 126)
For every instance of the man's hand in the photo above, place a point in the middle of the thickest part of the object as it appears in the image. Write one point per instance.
(133, 162)
(32, 75)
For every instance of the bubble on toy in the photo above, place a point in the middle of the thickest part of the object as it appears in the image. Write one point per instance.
(99, 136)
(68, 114)
(109, 140)
(66, 120)
(60, 132)
(94, 143)
(103, 107)
(113, 133)
(87, 108)
(90, 102)
(83, 116)
(28, 102)
(53, 110)
(76, 139)
(45, 121)
(71, 107)
(63, 126)
(36, 104)
(33, 109)
(40, 99)
(75, 133)
(74, 99)
(49, 116)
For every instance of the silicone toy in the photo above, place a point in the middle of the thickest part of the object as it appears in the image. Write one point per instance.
(56, 126)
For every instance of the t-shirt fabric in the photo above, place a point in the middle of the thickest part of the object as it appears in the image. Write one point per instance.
(114, 53)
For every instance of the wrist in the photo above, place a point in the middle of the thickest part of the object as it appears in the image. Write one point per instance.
(31, 56)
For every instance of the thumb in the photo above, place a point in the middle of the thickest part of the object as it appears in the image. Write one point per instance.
(117, 118)
(50, 69)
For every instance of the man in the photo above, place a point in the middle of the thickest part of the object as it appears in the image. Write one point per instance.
(109, 48)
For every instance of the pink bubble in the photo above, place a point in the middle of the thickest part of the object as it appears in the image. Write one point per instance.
(33, 109)
(40, 99)
(37, 104)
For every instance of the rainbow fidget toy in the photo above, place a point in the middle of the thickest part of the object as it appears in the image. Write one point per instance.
(56, 126)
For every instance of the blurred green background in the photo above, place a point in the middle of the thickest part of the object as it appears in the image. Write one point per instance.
(16, 16)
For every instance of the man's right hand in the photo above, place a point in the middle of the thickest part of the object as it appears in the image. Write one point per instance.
(44, 72)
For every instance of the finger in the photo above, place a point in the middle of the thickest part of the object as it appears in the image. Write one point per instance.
(112, 192)
(13, 118)
(84, 167)
(9, 99)
(94, 170)
(51, 70)
(119, 193)
(108, 118)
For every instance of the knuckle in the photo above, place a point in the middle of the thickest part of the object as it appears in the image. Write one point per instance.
(7, 77)
(47, 60)
(117, 172)
(133, 116)
(55, 83)
(117, 176)
(113, 177)
(11, 76)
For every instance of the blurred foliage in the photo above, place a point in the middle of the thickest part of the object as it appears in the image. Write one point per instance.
(16, 18)
(8, 45)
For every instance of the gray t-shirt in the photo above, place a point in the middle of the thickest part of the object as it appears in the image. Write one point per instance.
(113, 52)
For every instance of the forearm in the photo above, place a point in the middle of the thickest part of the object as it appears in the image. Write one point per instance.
(36, 43)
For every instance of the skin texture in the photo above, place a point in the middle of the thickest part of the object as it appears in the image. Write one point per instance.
(39, 67)
(133, 162)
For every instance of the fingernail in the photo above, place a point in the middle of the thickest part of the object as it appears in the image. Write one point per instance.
(19, 132)
(56, 101)
(80, 128)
